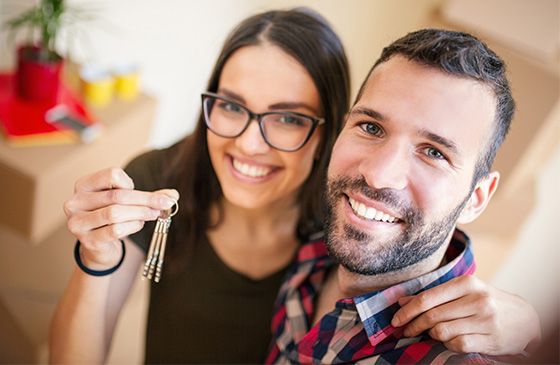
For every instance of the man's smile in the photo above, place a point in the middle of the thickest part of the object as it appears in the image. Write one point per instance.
(370, 213)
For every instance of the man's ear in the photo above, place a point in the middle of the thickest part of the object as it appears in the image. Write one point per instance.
(480, 197)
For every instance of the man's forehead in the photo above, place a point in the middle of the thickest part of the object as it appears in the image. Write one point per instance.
(401, 80)
(430, 102)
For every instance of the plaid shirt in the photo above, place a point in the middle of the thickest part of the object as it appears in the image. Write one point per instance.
(359, 329)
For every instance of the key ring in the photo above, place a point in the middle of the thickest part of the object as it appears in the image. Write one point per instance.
(176, 205)
(168, 213)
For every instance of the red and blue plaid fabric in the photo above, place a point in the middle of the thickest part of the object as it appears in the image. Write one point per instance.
(359, 329)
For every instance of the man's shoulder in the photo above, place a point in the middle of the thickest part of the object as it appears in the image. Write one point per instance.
(434, 352)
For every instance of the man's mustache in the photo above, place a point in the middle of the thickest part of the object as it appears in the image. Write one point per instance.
(386, 196)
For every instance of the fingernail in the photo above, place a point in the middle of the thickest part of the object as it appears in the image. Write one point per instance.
(396, 321)
(167, 203)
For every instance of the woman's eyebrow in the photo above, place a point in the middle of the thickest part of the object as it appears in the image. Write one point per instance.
(292, 105)
(277, 106)
(231, 95)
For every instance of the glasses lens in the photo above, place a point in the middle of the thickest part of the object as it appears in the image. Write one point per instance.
(286, 131)
(224, 117)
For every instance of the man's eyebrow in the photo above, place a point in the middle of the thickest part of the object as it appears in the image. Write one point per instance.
(449, 144)
(367, 112)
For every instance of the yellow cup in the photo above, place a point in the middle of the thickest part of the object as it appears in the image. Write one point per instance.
(97, 85)
(126, 81)
(126, 85)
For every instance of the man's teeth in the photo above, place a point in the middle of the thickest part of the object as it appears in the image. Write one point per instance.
(370, 213)
(249, 170)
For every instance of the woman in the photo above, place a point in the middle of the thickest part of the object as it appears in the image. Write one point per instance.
(248, 197)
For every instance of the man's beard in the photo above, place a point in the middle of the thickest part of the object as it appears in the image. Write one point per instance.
(360, 253)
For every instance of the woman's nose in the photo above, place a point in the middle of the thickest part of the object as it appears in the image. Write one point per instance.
(251, 141)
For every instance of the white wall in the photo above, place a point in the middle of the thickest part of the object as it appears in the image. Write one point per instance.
(175, 42)
(532, 269)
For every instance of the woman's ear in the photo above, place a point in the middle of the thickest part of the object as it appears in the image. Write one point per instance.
(480, 197)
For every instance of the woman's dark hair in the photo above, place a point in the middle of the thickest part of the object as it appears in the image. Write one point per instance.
(306, 36)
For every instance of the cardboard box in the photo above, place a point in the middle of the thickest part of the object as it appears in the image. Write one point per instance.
(36, 181)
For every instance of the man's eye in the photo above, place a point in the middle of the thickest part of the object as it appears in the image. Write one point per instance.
(433, 153)
(373, 129)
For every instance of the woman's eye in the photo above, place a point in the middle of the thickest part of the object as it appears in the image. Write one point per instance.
(230, 107)
(288, 119)
(373, 129)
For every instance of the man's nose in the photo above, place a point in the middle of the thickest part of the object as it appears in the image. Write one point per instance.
(387, 167)
(251, 141)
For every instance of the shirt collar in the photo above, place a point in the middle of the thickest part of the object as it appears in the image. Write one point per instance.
(378, 308)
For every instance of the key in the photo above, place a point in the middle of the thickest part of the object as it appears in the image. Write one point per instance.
(156, 251)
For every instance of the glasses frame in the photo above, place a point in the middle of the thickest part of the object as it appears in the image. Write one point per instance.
(258, 117)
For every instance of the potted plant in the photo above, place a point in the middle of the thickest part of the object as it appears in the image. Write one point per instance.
(38, 63)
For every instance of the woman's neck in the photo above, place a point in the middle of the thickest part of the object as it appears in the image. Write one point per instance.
(255, 242)
(277, 219)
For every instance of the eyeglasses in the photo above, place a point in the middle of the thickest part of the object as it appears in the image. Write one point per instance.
(282, 130)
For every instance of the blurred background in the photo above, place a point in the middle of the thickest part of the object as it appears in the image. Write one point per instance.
(173, 44)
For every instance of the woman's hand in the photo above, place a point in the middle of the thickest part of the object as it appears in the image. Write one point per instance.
(104, 208)
(469, 315)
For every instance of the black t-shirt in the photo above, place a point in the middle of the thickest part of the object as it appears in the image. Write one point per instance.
(208, 313)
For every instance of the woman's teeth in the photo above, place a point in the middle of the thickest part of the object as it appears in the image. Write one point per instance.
(370, 213)
(249, 170)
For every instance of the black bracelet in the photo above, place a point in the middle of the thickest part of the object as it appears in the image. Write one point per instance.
(94, 272)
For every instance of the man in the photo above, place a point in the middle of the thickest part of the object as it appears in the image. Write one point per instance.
(412, 161)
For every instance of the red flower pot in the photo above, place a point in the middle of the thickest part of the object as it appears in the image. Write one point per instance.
(37, 79)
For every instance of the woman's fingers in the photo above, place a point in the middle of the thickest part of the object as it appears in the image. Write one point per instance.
(171, 193)
(473, 343)
(96, 239)
(458, 309)
(113, 186)
(112, 215)
(448, 330)
(468, 315)
(110, 178)
(91, 201)
(105, 208)
(431, 298)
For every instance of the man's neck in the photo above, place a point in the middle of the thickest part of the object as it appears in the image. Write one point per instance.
(347, 284)
(341, 283)
(351, 284)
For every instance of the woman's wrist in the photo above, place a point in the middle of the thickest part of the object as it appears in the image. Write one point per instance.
(91, 272)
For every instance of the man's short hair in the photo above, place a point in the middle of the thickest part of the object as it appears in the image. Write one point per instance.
(462, 55)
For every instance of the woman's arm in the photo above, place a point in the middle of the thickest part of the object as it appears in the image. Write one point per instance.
(104, 209)
(82, 326)
(469, 315)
